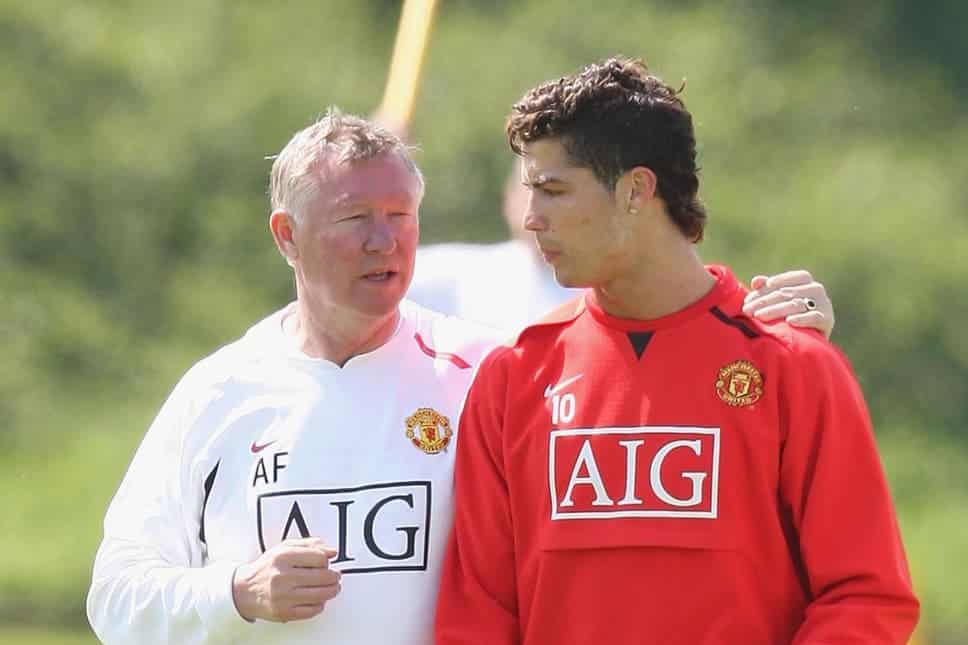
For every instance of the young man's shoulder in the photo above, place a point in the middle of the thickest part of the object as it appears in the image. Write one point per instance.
(531, 342)
(802, 349)
(551, 324)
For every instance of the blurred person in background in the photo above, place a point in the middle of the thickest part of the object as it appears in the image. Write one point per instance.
(507, 285)
(649, 464)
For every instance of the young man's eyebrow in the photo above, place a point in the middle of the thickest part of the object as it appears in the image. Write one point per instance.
(541, 180)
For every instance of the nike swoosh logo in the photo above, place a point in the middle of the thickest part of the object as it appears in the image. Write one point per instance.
(257, 448)
(552, 389)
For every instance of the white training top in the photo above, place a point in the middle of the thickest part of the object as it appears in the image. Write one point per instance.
(259, 443)
(505, 285)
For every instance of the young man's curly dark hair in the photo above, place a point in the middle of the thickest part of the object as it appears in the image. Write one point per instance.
(611, 117)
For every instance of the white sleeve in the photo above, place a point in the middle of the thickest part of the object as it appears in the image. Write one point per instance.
(149, 583)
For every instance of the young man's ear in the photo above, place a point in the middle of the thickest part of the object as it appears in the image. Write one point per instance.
(636, 187)
(282, 225)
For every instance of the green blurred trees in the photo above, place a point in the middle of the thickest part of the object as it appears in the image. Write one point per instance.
(133, 138)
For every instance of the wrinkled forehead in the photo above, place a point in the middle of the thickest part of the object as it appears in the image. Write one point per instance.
(385, 177)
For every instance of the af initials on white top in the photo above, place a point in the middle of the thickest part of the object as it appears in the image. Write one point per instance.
(650, 471)
(562, 406)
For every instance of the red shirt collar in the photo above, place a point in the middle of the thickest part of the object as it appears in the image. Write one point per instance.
(726, 285)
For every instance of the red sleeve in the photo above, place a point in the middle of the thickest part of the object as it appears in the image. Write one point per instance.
(833, 486)
(477, 601)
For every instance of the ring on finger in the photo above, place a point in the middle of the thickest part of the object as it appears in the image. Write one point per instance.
(810, 304)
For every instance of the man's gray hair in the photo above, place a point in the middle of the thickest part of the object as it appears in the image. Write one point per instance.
(338, 137)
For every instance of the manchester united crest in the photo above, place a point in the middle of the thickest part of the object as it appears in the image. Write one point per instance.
(739, 384)
(429, 430)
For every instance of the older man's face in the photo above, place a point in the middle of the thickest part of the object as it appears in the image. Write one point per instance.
(357, 238)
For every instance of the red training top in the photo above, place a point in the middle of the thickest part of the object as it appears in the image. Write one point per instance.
(696, 479)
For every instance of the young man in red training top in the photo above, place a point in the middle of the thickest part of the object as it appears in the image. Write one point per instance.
(650, 465)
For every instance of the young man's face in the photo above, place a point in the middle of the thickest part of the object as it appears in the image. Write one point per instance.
(357, 239)
(577, 223)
